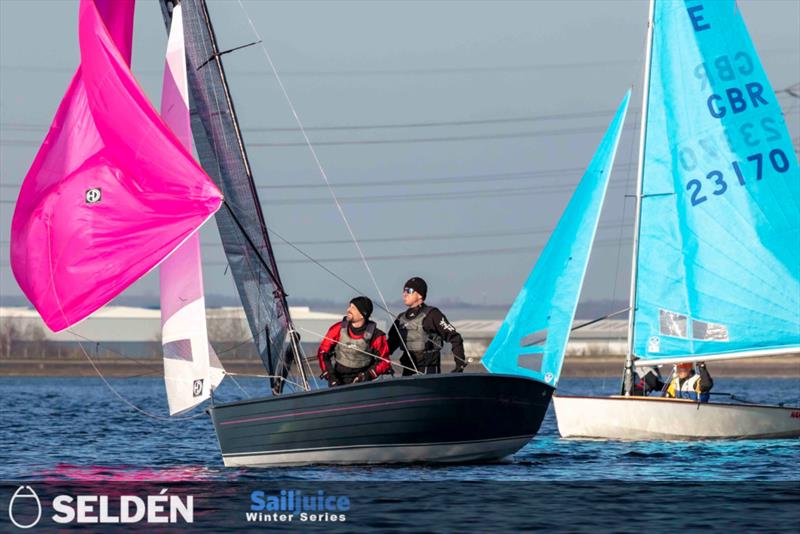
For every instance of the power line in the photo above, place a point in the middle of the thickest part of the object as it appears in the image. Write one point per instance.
(439, 139)
(790, 91)
(451, 138)
(420, 197)
(431, 237)
(439, 237)
(405, 182)
(428, 255)
(21, 126)
(423, 197)
(489, 69)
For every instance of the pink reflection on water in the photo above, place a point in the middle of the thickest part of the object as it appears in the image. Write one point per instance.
(124, 473)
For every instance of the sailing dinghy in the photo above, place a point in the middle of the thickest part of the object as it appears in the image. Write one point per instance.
(114, 192)
(716, 263)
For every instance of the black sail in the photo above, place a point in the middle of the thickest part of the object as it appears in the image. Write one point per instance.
(241, 224)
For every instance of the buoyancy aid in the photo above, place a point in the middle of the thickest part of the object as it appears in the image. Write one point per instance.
(417, 341)
(352, 352)
(688, 389)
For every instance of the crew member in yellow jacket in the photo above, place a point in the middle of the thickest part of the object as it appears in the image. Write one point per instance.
(688, 384)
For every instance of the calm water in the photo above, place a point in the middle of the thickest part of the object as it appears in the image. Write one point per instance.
(76, 428)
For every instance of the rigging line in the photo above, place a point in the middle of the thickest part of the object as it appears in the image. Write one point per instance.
(379, 357)
(238, 385)
(209, 79)
(316, 158)
(280, 363)
(440, 139)
(122, 398)
(637, 74)
(140, 361)
(628, 183)
(326, 269)
(582, 325)
(282, 302)
(256, 375)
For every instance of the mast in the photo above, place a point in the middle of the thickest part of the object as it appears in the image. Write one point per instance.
(627, 381)
(273, 267)
(242, 227)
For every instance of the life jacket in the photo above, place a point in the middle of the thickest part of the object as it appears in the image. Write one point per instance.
(355, 353)
(689, 389)
(417, 341)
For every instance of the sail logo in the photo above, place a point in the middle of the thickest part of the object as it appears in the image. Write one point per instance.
(94, 195)
(24, 497)
(197, 387)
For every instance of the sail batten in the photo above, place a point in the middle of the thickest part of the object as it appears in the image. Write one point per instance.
(718, 269)
(533, 337)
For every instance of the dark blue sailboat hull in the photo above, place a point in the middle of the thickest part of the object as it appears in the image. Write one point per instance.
(433, 418)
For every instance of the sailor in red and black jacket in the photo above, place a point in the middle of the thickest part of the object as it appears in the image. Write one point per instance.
(354, 350)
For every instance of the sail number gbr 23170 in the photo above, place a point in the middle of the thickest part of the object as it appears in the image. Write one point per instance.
(750, 169)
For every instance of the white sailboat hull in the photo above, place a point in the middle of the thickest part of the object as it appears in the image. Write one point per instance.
(648, 418)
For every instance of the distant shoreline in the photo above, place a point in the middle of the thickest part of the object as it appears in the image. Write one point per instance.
(574, 367)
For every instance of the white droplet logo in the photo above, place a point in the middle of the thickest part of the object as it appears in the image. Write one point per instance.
(24, 493)
(93, 195)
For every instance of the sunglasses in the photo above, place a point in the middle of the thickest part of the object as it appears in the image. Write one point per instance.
(408, 290)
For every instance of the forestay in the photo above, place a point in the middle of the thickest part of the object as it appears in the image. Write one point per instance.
(718, 269)
(533, 337)
(112, 191)
(191, 368)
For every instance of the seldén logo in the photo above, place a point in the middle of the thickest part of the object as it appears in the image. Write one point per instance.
(23, 502)
(100, 509)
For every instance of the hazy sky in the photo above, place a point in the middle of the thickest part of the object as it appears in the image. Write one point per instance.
(485, 115)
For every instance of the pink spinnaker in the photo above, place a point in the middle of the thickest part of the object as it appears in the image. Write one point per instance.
(112, 191)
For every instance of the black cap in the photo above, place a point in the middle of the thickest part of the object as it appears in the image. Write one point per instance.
(417, 284)
(363, 305)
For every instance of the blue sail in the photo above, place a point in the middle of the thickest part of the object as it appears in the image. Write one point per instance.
(534, 334)
(718, 265)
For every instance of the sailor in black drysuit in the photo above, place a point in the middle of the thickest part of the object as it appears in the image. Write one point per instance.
(646, 380)
(422, 331)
